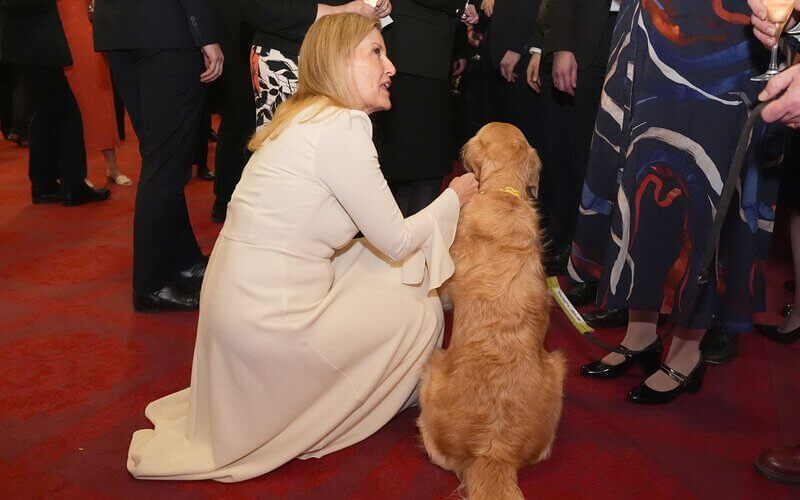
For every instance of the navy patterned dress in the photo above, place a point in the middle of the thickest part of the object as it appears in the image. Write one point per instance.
(676, 97)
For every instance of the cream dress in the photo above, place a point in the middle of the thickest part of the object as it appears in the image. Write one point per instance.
(308, 341)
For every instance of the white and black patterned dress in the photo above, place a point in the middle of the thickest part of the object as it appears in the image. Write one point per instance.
(274, 80)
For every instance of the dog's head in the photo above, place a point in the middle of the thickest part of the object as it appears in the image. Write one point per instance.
(500, 149)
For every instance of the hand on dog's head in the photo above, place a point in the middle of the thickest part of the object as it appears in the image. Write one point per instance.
(500, 154)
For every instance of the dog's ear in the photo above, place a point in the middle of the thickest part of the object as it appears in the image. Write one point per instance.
(472, 156)
(534, 170)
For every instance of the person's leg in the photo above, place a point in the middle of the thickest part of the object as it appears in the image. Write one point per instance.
(171, 99)
(793, 321)
(641, 333)
(43, 132)
(112, 169)
(71, 145)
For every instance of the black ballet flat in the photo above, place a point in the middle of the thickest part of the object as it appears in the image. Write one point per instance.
(772, 333)
(649, 358)
(643, 394)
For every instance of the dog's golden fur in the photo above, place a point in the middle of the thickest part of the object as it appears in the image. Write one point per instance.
(490, 404)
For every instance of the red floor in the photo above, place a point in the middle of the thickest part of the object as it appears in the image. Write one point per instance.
(78, 366)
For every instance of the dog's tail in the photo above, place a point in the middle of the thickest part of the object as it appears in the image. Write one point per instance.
(491, 479)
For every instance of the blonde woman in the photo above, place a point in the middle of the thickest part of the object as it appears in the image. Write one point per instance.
(309, 341)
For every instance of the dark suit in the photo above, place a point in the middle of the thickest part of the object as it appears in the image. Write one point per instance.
(414, 138)
(583, 27)
(511, 28)
(33, 39)
(152, 48)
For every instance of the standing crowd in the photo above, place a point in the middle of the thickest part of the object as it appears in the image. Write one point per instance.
(635, 108)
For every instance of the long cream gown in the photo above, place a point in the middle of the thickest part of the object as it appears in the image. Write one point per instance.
(303, 349)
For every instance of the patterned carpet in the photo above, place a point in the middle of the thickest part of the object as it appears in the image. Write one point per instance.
(78, 366)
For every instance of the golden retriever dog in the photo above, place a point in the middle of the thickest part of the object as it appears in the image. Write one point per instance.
(490, 404)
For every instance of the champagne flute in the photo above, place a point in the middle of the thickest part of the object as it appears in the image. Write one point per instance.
(778, 12)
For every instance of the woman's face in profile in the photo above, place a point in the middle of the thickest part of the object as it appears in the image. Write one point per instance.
(372, 73)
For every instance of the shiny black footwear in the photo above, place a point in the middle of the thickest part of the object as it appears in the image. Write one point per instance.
(643, 394)
(582, 294)
(204, 173)
(649, 358)
(786, 310)
(192, 278)
(719, 346)
(607, 318)
(169, 298)
(85, 194)
(219, 211)
(46, 197)
(772, 333)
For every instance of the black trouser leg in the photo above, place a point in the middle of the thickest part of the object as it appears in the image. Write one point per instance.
(413, 196)
(238, 112)
(164, 96)
(57, 148)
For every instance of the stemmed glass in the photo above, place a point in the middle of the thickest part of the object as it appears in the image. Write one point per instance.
(778, 12)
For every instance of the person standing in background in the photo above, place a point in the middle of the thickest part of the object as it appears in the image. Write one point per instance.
(163, 53)
(33, 39)
(90, 80)
(414, 139)
(576, 45)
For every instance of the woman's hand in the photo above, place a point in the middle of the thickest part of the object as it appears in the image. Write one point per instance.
(355, 7)
(465, 186)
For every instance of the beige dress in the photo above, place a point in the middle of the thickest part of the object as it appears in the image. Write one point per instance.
(308, 341)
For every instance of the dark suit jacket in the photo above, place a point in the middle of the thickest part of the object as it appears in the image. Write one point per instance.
(576, 26)
(153, 24)
(32, 34)
(282, 24)
(420, 40)
(512, 27)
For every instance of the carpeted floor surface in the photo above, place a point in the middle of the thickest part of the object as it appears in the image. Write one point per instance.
(78, 366)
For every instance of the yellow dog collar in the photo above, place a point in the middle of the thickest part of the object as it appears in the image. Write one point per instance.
(510, 190)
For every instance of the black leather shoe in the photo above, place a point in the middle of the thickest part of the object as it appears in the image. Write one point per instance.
(86, 194)
(582, 294)
(169, 298)
(219, 211)
(772, 333)
(46, 197)
(719, 346)
(192, 278)
(204, 173)
(649, 358)
(607, 318)
(643, 394)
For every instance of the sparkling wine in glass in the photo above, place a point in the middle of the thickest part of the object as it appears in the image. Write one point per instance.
(778, 12)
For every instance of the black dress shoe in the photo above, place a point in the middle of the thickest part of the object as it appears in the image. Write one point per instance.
(192, 278)
(643, 394)
(219, 211)
(649, 358)
(772, 333)
(719, 346)
(582, 294)
(169, 298)
(607, 318)
(46, 197)
(204, 173)
(86, 194)
(556, 264)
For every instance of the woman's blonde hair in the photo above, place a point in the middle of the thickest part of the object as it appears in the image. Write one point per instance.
(324, 75)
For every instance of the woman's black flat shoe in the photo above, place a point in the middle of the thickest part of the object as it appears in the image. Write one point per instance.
(643, 394)
(772, 333)
(649, 358)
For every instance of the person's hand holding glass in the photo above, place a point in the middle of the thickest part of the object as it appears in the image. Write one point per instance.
(769, 18)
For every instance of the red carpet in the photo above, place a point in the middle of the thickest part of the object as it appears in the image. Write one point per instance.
(78, 366)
